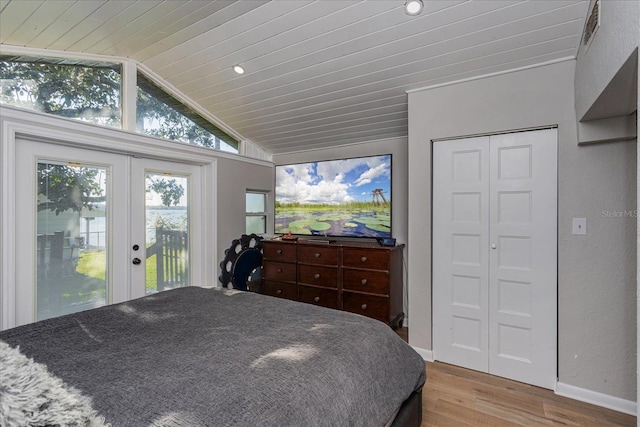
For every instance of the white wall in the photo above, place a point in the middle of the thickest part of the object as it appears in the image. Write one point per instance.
(596, 273)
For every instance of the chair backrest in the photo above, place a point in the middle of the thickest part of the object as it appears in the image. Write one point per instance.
(242, 264)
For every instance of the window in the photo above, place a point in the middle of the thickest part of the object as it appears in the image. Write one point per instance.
(91, 91)
(88, 91)
(160, 114)
(256, 212)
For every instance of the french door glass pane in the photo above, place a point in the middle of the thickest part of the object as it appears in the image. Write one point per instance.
(71, 242)
(167, 231)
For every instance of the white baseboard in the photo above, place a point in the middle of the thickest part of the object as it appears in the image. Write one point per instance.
(582, 394)
(427, 355)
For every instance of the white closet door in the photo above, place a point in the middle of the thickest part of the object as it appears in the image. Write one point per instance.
(495, 254)
(460, 252)
(523, 258)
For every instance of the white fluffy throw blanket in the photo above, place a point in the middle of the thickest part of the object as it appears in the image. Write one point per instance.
(31, 396)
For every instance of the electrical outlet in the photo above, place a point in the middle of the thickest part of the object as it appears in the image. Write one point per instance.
(579, 226)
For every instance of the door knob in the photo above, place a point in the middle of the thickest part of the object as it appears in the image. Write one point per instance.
(493, 246)
(136, 261)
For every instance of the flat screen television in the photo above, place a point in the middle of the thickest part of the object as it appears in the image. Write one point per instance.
(335, 198)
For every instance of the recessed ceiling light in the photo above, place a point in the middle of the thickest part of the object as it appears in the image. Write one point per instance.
(239, 69)
(413, 7)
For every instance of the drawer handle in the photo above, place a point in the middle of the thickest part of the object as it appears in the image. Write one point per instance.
(316, 276)
(363, 306)
(317, 255)
(316, 299)
(363, 281)
(363, 259)
(279, 270)
(279, 251)
(279, 291)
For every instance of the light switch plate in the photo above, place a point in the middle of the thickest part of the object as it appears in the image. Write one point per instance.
(579, 226)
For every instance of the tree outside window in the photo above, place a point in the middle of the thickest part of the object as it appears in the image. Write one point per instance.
(87, 93)
(159, 114)
(91, 91)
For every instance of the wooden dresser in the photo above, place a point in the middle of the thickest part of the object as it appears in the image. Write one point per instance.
(362, 278)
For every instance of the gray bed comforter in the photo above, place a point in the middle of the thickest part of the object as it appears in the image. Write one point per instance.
(213, 357)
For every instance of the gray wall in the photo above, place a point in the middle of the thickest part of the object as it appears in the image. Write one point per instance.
(596, 273)
(234, 178)
(638, 236)
(398, 148)
(612, 45)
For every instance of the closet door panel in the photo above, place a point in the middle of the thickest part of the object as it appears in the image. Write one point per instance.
(523, 257)
(460, 252)
(495, 254)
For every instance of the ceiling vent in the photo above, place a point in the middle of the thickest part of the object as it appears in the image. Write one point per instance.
(593, 23)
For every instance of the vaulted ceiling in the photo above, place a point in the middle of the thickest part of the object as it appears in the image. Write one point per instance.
(318, 73)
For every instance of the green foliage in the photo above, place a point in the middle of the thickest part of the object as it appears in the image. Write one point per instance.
(332, 208)
(320, 217)
(90, 93)
(68, 188)
(169, 190)
(74, 188)
(168, 222)
(93, 264)
(168, 123)
(319, 226)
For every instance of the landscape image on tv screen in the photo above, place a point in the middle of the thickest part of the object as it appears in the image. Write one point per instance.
(346, 198)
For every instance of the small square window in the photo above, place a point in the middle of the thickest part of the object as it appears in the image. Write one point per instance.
(256, 212)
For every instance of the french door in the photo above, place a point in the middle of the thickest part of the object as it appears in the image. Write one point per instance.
(88, 226)
(495, 254)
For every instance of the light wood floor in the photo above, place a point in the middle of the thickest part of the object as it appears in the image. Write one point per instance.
(458, 397)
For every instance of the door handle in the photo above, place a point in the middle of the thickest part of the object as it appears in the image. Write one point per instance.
(136, 261)
(493, 246)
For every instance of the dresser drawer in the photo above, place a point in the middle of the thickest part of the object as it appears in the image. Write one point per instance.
(279, 251)
(367, 305)
(376, 282)
(280, 289)
(365, 258)
(318, 296)
(322, 255)
(318, 276)
(280, 271)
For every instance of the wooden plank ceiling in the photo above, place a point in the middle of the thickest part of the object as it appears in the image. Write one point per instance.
(318, 73)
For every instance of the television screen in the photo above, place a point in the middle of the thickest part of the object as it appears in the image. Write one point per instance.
(339, 198)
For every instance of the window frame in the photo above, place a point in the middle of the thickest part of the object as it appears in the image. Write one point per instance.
(57, 61)
(154, 90)
(264, 214)
(128, 89)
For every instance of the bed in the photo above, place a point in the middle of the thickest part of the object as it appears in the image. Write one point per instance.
(215, 357)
